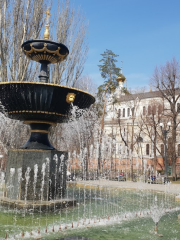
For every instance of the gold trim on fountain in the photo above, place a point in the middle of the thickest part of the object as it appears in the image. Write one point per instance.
(49, 84)
(44, 50)
(43, 112)
(39, 131)
(39, 121)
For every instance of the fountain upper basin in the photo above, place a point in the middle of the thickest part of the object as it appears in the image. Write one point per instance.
(41, 101)
(45, 51)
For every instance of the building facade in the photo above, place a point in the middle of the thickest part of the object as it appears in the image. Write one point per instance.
(133, 120)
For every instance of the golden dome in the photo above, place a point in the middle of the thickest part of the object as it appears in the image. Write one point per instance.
(121, 77)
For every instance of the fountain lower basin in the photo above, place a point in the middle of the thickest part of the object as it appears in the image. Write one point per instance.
(99, 211)
(37, 206)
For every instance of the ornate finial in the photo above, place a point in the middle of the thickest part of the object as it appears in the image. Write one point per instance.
(121, 66)
(47, 16)
(121, 77)
(46, 33)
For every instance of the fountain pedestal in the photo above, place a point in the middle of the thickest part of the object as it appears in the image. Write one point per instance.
(35, 174)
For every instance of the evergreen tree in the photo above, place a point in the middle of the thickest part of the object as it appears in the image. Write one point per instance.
(109, 72)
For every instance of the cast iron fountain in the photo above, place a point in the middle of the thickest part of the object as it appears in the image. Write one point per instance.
(39, 104)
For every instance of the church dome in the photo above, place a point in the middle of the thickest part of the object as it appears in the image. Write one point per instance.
(121, 78)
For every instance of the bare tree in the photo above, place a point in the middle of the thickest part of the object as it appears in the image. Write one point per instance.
(166, 79)
(130, 138)
(22, 20)
(86, 83)
(19, 20)
(71, 30)
(150, 118)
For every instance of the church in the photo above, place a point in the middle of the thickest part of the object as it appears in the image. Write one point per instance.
(135, 123)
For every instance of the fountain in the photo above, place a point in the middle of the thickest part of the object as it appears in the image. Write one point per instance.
(35, 192)
(40, 104)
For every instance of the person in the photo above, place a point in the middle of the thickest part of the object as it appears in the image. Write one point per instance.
(151, 178)
(154, 179)
(121, 175)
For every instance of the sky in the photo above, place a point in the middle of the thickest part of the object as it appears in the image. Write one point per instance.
(144, 33)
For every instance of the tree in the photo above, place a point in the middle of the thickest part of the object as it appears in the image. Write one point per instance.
(132, 134)
(21, 20)
(85, 83)
(71, 30)
(166, 79)
(109, 71)
(150, 118)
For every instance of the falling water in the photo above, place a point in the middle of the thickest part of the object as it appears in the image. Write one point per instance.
(100, 200)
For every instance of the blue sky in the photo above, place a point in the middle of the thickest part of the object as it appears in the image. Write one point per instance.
(144, 33)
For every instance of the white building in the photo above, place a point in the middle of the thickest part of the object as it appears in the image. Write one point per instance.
(133, 119)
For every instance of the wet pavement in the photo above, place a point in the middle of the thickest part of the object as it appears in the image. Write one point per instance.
(169, 187)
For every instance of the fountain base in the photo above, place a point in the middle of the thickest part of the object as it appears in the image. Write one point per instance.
(35, 175)
(37, 206)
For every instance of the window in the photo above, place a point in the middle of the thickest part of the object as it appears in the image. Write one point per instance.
(144, 111)
(128, 112)
(132, 112)
(169, 142)
(149, 110)
(178, 149)
(178, 107)
(131, 147)
(119, 113)
(162, 149)
(154, 110)
(123, 112)
(160, 108)
(147, 149)
(139, 139)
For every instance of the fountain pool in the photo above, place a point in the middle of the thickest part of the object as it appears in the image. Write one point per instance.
(108, 212)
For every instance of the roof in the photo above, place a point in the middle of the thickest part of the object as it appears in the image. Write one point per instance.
(144, 95)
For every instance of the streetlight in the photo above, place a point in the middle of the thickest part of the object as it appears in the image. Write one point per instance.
(165, 132)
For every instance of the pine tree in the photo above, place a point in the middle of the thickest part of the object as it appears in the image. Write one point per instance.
(109, 71)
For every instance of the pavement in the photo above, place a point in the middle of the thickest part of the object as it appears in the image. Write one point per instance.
(169, 187)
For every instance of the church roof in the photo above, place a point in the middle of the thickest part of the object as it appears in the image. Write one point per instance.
(144, 95)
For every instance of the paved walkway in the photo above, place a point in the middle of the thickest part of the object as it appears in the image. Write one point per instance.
(170, 187)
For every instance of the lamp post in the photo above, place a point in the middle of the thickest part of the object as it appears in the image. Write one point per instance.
(165, 132)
